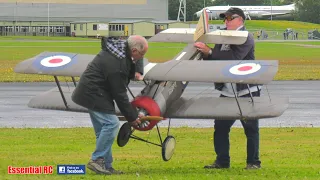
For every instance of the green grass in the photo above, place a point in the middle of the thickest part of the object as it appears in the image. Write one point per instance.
(275, 28)
(297, 61)
(286, 153)
(275, 25)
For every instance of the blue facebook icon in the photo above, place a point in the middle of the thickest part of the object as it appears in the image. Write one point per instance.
(71, 169)
(61, 169)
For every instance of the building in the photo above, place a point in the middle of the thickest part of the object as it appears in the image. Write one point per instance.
(112, 28)
(53, 17)
(162, 25)
(34, 28)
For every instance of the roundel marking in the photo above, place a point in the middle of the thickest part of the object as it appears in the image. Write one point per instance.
(245, 69)
(55, 61)
(58, 60)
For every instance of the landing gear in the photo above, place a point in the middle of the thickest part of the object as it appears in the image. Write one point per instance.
(168, 146)
(124, 134)
(148, 107)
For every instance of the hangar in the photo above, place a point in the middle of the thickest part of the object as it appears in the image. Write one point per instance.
(61, 17)
(120, 28)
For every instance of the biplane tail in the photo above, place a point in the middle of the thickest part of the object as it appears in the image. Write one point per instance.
(202, 26)
(200, 33)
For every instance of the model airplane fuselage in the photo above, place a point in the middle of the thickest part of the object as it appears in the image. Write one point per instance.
(251, 11)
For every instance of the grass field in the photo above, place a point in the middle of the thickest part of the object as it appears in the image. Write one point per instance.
(286, 153)
(298, 60)
(275, 28)
(275, 25)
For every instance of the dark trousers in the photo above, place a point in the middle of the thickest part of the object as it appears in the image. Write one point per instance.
(221, 139)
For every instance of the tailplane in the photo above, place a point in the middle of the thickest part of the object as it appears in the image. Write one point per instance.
(202, 26)
(200, 33)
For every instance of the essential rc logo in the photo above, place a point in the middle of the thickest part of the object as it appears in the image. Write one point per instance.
(71, 169)
(30, 170)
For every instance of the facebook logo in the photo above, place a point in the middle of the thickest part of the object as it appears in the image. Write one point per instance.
(61, 169)
(71, 169)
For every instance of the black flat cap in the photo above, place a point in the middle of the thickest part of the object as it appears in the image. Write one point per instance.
(232, 11)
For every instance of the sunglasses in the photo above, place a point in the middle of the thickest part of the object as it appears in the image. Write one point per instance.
(230, 18)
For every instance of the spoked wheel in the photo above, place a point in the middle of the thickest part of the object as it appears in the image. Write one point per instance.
(168, 147)
(124, 134)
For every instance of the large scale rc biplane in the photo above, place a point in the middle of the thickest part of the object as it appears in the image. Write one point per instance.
(161, 98)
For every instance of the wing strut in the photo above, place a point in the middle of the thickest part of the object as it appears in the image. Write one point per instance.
(74, 81)
(235, 96)
(250, 94)
(63, 98)
(130, 92)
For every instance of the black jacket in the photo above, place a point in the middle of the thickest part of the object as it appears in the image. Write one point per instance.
(105, 80)
(237, 52)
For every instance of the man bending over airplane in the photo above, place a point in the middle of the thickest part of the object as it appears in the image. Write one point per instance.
(103, 82)
(234, 20)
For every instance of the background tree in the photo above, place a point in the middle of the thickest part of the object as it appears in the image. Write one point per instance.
(307, 11)
(192, 7)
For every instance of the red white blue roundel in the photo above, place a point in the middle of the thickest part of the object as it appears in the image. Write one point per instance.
(244, 70)
(53, 61)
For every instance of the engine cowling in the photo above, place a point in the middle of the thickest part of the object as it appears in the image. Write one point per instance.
(148, 107)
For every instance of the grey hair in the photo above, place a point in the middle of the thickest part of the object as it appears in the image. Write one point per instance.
(137, 41)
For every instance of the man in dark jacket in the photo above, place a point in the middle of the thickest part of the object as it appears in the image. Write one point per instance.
(103, 82)
(234, 20)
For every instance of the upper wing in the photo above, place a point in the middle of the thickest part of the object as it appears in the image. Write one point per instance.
(246, 72)
(186, 35)
(215, 108)
(55, 63)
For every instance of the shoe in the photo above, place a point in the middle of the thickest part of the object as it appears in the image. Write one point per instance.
(113, 171)
(215, 165)
(253, 166)
(98, 166)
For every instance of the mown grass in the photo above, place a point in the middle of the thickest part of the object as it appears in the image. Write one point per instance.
(285, 153)
(275, 25)
(298, 60)
(275, 28)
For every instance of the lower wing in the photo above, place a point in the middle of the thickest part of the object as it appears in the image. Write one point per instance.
(196, 108)
(227, 108)
(53, 100)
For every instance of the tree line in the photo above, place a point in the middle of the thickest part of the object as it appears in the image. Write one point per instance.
(306, 10)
